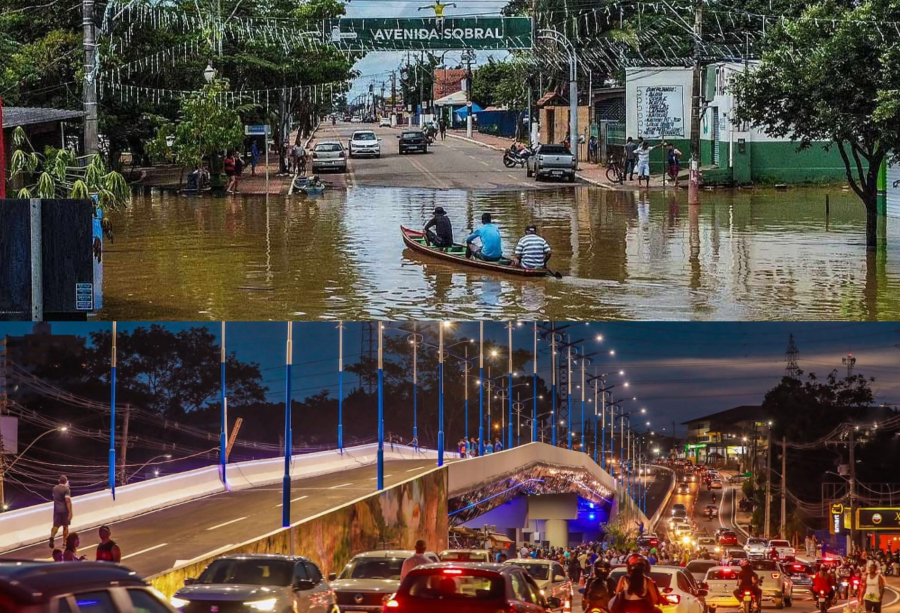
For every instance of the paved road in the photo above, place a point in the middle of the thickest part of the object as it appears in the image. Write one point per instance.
(449, 164)
(656, 491)
(699, 497)
(158, 541)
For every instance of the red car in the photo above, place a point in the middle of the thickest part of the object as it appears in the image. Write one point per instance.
(728, 538)
(452, 587)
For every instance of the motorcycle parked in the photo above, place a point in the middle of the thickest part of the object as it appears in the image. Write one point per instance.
(516, 156)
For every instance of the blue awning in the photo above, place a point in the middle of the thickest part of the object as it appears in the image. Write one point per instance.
(461, 113)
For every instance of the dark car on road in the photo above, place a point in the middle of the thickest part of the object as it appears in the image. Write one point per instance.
(413, 140)
(474, 588)
(257, 583)
(27, 586)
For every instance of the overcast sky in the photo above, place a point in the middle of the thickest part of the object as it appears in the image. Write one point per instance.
(678, 371)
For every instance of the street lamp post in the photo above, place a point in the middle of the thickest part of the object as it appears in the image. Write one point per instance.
(509, 384)
(31, 444)
(441, 393)
(341, 387)
(286, 480)
(167, 456)
(112, 418)
(569, 391)
(559, 37)
(223, 434)
(481, 389)
(553, 381)
(534, 376)
(380, 470)
(583, 360)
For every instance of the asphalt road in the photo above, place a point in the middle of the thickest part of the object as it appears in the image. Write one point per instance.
(449, 164)
(726, 499)
(162, 539)
(656, 490)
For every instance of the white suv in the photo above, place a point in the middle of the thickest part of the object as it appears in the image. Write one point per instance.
(384, 122)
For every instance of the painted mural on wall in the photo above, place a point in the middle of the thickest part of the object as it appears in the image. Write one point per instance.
(392, 519)
(535, 480)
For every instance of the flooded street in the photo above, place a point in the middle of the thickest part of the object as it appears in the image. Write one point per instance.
(745, 255)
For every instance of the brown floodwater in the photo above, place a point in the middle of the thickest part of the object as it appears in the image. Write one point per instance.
(743, 255)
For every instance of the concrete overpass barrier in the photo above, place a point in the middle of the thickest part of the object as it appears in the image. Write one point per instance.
(665, 502)
(32, 524)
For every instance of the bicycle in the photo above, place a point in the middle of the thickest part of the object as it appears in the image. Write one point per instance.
(614, 171)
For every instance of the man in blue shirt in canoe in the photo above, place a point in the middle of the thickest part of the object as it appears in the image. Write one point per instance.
(491, 249)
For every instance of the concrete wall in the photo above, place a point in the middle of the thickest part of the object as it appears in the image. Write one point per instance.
(391, 519)
(553, 506)
(30, 525)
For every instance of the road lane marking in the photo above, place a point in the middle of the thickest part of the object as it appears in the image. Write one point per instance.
(485, 163)
(334, 487)
(415, 469)
(375, 478)
(227, 523)
(137, 553)
(292, 500)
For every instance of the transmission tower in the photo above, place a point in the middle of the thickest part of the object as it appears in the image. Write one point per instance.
(849, 362)
(368, 351)
(792, 370)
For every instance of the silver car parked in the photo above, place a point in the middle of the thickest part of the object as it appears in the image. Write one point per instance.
(257, 582)
(369, 580)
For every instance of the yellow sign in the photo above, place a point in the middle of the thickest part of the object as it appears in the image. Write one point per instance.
(837, 508)
(878, 518)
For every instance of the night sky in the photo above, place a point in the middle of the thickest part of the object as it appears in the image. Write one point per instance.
(678, 371)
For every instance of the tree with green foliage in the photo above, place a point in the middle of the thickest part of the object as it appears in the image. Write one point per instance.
(207, 127)
(831, 75)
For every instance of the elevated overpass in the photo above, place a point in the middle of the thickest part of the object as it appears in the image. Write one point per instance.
(335, 509)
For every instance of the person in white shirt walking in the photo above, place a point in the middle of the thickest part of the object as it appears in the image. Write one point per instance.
(417, 559)
(872, 589)
(643, 162)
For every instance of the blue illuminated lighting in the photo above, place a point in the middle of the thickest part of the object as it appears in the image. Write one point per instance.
(592, 516)
(591, 505)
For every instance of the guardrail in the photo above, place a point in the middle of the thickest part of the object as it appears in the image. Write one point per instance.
(32, 524)
(662, 506)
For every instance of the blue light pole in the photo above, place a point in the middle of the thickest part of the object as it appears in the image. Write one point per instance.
(583, 360)
(509, 384)
(569, 392)
(341, 387)
(415, 344)
(481, 389)
(441, 393)
(112, 417)
(380, 474)
(534, 377)
(286, 480)
(467, 366)
(553, 381)
(223, 435)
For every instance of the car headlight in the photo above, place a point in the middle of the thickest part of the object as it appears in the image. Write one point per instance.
(262, 605)
(178, 603)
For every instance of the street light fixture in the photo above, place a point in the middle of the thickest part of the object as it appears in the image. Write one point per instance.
(209, 73)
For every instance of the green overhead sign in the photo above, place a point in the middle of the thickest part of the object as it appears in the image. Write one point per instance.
(394, 34)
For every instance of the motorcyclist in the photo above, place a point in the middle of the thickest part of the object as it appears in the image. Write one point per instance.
(599, 587)
(637, 589)
(714, 498)
(747, 579)
(823, 581)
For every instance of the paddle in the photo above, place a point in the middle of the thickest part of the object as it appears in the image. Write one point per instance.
(555, 274)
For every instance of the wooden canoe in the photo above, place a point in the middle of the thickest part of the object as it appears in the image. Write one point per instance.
(415, 240)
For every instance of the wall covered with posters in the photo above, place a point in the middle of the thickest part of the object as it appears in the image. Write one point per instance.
(392, 519)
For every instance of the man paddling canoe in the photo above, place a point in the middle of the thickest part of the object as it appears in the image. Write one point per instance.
(443, 230)
(532, 251)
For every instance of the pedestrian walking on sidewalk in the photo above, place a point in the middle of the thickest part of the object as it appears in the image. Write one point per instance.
(254, 158)
(62, 509)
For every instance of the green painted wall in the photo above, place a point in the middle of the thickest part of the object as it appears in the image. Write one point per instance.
(779, 162)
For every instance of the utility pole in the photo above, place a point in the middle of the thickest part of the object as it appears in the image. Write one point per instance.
(852, 485)
(421, 93)
(124, 451)
(393, 94)
(783, 487)
(768, 481)
(90, 78)
(468, 57)
(696, 94)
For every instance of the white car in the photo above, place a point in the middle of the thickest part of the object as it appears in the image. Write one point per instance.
(783, 549)
(550, 578)
(699, 568)
(465, 555)
(329, 155)
(756, 547)
(721, 582)
(679, 590)
(384, 122)
(364, 142)
(356, 119)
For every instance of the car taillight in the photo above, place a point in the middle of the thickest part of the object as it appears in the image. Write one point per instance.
(776, 575)
(394, 605)
(747, 592)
